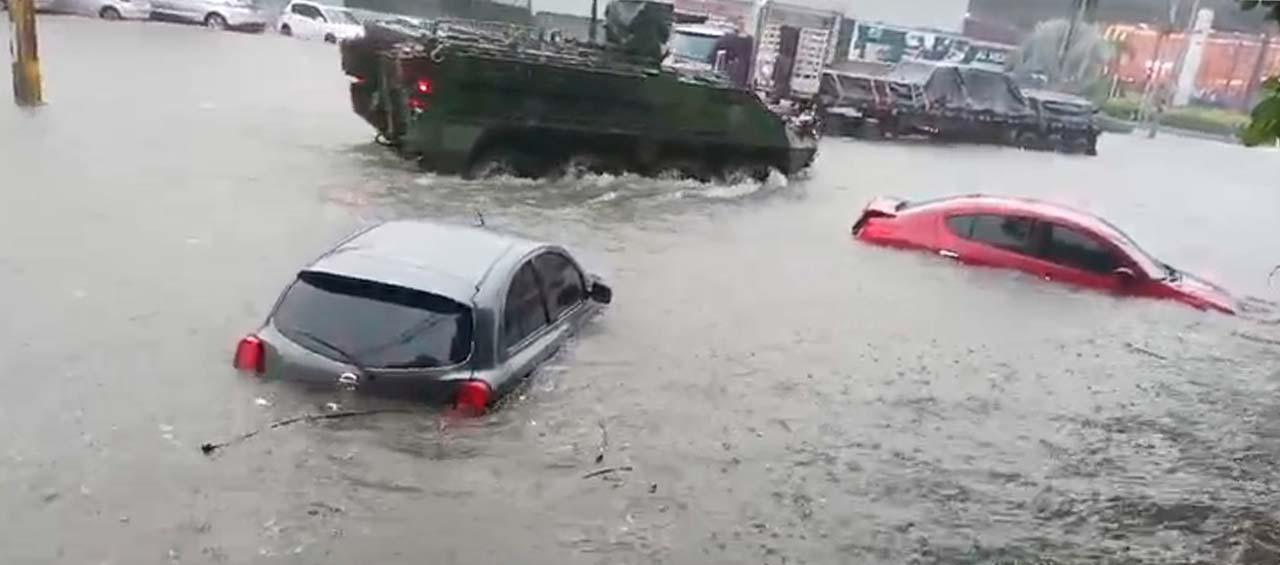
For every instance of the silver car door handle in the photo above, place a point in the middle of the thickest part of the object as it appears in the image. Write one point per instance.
(949, 254)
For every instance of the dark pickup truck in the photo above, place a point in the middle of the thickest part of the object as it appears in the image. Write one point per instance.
(953, 103)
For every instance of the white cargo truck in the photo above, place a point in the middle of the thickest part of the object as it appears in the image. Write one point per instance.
(815, 31)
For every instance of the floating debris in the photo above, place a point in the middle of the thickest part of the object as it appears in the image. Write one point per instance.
(607, 471)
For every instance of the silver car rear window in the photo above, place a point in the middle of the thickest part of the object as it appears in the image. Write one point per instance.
(373, 324)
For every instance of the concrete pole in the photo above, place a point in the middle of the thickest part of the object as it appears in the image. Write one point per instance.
(27, 89)
(1065, 48)
(1162, 91)
(1145, 109)
(1188, 68)
(1153, 78)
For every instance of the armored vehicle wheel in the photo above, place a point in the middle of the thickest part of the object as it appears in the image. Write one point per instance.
(681, 169)
(582, 164)
(739, 173)
(498, 162)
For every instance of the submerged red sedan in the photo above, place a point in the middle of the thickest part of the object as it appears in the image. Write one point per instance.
(1046, 240)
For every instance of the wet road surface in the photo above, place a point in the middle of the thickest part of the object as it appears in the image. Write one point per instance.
(779, 393)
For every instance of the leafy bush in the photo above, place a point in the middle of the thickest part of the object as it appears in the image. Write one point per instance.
(1122, 108)
(1265, 125)
(1205, 120)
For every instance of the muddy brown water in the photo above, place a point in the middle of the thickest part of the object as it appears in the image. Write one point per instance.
(778, 393)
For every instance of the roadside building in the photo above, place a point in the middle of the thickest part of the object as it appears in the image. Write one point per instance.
(1226, 62)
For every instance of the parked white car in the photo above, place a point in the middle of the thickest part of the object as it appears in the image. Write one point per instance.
(310, 20)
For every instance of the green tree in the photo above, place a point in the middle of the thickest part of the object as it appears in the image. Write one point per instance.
(1265, 124)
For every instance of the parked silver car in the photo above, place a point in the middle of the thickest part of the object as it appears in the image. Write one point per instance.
(215, 14)
(105, 9)
(453, 314)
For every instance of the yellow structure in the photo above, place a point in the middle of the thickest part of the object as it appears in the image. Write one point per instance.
(27, 89)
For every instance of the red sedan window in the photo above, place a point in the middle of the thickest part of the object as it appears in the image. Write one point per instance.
(1011, 233)
(1072, 248)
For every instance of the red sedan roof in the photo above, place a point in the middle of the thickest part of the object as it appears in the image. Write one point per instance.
(1042, 210)
(1023, 206)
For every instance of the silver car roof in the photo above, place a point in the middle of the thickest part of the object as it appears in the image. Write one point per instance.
(444, 259)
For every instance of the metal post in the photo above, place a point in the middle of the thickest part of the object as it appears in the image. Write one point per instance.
(1259, 64)
(1236, 51)
(591, 33)
(1153, 77)
(27, 89)
(1166, 94)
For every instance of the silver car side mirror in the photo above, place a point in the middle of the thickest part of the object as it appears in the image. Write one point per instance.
(601, 293)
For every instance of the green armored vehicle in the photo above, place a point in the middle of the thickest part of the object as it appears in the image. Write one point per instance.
(480, 99)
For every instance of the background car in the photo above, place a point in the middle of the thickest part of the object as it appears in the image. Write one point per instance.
(1046, 240)
(215, 14)
(41, 5)
(105, 9)
(453, 314)
(310, 20)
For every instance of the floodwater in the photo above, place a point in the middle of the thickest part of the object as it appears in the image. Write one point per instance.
(768, 390)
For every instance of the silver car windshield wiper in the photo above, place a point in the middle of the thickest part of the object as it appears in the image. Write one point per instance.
(347, 357)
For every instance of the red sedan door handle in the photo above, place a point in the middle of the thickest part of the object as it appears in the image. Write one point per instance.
(949, 254)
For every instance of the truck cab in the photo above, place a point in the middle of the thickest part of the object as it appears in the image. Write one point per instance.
(693, 47)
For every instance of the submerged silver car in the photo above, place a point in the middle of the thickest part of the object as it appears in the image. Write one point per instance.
(453, 314)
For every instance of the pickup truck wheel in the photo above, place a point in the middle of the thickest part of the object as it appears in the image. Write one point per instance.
(286, 30)
(215, 21)
(869, 130)
(1073, 145)
(109, 13)
(1028, 139)
(1083, 147)
(330, 38)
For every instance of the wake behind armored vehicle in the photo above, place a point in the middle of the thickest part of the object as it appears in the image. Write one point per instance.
(481, 99)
